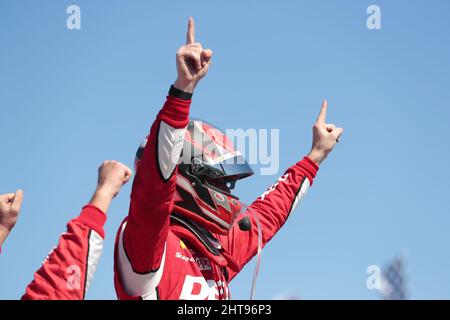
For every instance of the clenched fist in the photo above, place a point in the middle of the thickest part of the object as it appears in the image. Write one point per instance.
(10, 204)
(112, 175)
(192, 61)
(325, 136)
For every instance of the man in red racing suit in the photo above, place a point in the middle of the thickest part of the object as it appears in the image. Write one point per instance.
(156, 256)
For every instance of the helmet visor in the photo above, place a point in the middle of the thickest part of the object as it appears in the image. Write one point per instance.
(235, 168)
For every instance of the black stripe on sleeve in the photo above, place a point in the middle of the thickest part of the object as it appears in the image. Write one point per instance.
(296, 194)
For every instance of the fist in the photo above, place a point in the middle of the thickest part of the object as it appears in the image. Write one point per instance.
(10, 205)
(192, 61)
(112, 175)
(325, 136)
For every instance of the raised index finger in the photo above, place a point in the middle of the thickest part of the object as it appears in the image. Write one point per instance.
(323, 112)
(190, 37)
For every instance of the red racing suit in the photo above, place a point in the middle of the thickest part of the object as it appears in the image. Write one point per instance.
(68, 270)
(157, 259)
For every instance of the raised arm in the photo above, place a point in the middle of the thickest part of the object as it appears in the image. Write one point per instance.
(143, 236)
(69, 268)
(275, 205)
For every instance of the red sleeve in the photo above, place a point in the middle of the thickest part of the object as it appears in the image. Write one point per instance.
(153, 188)
(273, 208)
(69, 268)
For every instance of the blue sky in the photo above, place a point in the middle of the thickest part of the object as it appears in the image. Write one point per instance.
(70, 99)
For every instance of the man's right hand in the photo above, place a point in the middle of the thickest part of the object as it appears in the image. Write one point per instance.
(192, 61)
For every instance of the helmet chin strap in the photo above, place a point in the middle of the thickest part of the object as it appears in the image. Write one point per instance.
(199, 232)
(245, 225)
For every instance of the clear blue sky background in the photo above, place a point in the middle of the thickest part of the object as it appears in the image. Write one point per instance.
(70, 99)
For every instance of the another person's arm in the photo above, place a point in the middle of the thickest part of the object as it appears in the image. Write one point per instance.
(69, 268)
(10, 205)
(275, 205)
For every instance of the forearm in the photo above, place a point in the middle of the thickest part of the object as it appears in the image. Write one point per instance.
(102, 199)
(154, 182)
(276, 204)
(316, 156)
